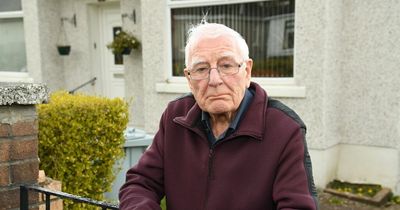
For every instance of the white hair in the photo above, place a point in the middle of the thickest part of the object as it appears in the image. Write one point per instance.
(214, 30)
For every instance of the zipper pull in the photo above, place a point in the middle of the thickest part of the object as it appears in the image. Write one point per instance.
(210, 164)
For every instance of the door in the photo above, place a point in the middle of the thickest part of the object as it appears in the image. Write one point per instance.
(111, 74)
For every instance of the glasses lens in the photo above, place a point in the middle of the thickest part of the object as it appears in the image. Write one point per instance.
(224, 68)
(228, 68)
(199, 72)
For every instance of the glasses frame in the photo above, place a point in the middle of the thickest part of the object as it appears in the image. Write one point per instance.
(240, 65)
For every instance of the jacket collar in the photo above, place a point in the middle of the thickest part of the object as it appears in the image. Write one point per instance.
(252, 123)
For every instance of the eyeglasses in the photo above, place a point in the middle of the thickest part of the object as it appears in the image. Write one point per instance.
(202, 71)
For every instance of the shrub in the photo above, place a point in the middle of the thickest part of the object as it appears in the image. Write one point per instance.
(80, 138)
(368, 190)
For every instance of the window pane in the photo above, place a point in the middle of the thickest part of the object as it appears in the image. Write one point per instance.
(267, 27)
(12, 45)
(10, 5)
(118, 58)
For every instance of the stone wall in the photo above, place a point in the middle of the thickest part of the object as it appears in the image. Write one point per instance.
(19, 161)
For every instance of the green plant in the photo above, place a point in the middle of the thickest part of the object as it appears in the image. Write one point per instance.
(123, 41)
(163, 204)
(80, 139)
(368, 190)
(395, 199)
(336, 201)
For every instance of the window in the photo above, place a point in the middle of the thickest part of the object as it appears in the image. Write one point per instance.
(288, 40)
(118, 58)
(267, 26)
(12, 40)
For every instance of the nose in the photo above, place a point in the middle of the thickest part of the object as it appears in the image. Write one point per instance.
(215, 77)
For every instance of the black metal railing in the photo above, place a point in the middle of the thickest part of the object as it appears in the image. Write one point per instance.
(24, 198)
(91, 81)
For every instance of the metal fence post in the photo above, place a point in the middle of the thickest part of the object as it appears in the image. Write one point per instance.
(23, 198)
(47, 201)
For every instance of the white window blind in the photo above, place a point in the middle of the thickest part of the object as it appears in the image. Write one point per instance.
(267, 26)
(12, 39)
(10, 5)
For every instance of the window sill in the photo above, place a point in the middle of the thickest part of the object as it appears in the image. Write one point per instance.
(285, 91)
(15, 77)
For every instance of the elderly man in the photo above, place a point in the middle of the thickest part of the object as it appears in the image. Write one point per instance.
(226, 145)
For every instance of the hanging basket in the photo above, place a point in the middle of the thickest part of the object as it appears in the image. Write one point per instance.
(123, 43)
(64, 50)
(63, 46)
(126, 51)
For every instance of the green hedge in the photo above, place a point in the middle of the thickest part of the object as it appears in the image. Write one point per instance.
(80, 138)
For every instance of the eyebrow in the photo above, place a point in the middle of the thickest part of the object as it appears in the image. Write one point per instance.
(224, 57)
(199, 63)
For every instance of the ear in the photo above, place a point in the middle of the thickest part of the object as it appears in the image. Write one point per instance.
(186, 71)
(249, 66)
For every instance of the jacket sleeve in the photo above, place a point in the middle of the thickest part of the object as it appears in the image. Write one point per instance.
(144, 185)
(294, 186)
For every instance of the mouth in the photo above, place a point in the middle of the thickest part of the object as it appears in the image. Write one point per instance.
(217, 97)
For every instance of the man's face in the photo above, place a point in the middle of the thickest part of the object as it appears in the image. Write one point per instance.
(218, 95)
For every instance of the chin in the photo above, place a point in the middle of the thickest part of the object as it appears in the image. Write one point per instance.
(219, 109)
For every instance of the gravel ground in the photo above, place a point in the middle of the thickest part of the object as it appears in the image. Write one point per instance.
(331, 202)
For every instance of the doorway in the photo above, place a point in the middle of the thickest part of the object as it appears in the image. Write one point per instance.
(105, 23)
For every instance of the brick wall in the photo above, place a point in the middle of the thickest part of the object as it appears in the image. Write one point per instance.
(19, 161)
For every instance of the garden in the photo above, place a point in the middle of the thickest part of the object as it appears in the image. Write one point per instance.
(341, 195)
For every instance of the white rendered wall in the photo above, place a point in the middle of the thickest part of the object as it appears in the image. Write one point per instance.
(77, 66)
(155, 60)
(41, 23)
(367, 164)
(371, 73)
(357, 164)
(134, 72)
(370, 89)
(324, 164)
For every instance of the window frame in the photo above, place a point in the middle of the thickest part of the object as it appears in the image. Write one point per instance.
(286, 34)
(12, 14)
(12, 76)
(279, 87)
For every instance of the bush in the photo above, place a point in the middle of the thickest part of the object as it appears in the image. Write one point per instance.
(80, 138)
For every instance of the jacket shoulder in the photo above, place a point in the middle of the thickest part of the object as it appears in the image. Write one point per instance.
(184, 100)
(276, 104)
(181, 104)
(183, 97)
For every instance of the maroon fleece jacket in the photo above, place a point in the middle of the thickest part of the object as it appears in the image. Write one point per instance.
(263, 164)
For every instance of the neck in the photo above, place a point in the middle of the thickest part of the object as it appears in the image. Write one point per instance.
(221, 122)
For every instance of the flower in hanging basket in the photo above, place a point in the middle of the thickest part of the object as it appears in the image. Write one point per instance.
(123, 43)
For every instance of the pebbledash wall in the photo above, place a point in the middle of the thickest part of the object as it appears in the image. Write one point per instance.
(346, 86)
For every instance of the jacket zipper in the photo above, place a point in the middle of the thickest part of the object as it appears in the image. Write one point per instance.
(210, 176)
(210, 164)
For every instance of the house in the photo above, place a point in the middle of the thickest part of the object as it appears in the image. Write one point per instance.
(334, 62)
